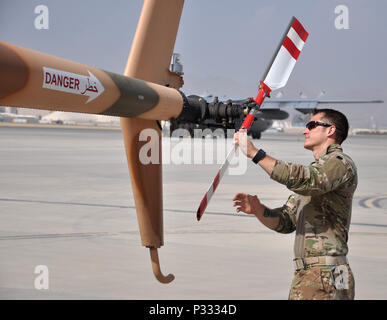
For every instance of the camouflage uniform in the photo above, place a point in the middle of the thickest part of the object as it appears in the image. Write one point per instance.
(320, 212)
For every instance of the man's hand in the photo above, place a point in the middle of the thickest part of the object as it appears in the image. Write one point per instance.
(251, 205)
(247, 203)
(243, 141)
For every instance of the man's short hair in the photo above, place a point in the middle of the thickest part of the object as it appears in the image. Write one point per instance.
(338, 119)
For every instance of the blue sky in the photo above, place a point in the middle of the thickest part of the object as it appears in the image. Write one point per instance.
(225, 45)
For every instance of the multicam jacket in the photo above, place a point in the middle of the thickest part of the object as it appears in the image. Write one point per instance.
(320, 208)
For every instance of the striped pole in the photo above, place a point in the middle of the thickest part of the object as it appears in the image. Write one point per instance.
(208, 195)
(275, 77)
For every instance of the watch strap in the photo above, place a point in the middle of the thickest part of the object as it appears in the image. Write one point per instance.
(259, 156)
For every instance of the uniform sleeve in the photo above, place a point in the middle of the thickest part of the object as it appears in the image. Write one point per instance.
(312, 180)
(287, 216)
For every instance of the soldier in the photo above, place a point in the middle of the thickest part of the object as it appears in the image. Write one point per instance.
(319, 210)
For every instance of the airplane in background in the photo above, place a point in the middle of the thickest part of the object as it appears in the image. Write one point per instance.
(234, 110)
(271, 110)
(12, 116)
(76, 118)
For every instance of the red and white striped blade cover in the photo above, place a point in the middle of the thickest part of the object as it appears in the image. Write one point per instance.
(214, 185)
(286, 58)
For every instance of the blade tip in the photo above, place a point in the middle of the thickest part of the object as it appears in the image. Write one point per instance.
(198, 215)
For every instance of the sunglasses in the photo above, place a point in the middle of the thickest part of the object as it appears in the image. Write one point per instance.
(313, 124)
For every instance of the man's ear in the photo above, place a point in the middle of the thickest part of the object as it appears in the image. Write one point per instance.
(332, 132)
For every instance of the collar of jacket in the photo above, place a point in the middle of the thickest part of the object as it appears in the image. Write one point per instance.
(331, 148)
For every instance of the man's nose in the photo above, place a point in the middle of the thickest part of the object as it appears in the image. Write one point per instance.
(305, 131)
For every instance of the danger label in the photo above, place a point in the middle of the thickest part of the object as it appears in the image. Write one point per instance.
(64, 81)
(61, 81)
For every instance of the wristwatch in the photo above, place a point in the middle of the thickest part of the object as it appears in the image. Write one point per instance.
(259, 156)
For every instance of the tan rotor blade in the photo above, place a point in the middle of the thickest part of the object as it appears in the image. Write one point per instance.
(149, 60)
(32, 79)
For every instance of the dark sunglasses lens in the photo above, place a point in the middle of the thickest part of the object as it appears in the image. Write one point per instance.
(311, 125)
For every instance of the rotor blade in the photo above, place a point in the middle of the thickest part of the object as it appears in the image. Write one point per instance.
(149, 60)
(281, 65)
(286, 56)
(32, 79)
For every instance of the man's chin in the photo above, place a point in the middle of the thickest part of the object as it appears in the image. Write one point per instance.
(307, 145)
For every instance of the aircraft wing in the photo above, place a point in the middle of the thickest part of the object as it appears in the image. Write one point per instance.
(308, 105)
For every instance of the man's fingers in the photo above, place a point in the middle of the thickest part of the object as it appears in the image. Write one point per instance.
(241, 202)
(240, 207)
(235, 141)
(237, 203)
(239, 196)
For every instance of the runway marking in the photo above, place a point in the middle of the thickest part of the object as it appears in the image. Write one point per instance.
(113, 206)
(118, 233)
(87, 235)
(57, 235)
(372, 202)
(242, 215)
(70, 203)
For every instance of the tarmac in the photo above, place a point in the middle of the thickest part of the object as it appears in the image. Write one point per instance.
(66, 204)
